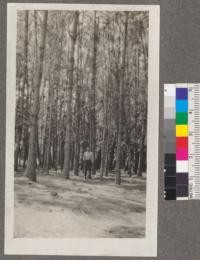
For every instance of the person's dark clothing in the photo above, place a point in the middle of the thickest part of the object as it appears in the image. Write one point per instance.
(87, 167)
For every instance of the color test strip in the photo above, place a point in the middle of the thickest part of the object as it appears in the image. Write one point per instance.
(170, 141)
(182, 150)
(182, 141)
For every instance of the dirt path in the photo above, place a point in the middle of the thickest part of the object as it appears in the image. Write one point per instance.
(55, 207)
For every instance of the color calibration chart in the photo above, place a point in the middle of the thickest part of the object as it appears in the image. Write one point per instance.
(182, 141)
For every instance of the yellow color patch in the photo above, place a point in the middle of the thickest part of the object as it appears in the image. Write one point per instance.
(181, 130)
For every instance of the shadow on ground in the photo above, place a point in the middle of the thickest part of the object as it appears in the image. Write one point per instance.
(79, 208)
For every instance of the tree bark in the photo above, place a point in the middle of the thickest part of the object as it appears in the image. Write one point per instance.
(77, 134)
(136, 89)
(31, 166)
(58, 98)
(105, 135)
(121, 102)
(49, 136)
(66, 167)
(25, 82)
(93, 95)
(77, 113)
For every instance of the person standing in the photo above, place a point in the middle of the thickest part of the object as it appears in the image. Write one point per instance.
(88, 160)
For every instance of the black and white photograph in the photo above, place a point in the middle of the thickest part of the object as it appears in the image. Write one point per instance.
(82, 129)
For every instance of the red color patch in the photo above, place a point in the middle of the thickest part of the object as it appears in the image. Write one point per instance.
(181, 142)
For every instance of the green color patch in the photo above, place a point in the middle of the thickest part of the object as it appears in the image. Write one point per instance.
(181, 118)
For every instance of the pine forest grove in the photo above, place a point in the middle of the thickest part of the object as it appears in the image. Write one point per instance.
(81, 81)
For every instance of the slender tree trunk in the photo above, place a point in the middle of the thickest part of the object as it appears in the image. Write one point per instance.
(26, 139)
(103, 154)
(26, 128)
(38, 157)
(145, 51)
(59, 136)
(57, 133)
(77, 139)
(129, 161)
(49, 137)
(140, 157)
(136, 83)
(121, 101)
(142, 144)
(93, 95)
(58, 98)
(72, 156)
(31, 166)
(66, 167)
(62, 155)
(44, 145)
(58, 148)
(25, 82)
(106, 155)
(28, 97)
(107, 144)
(77, 115)
(143, 132)
(105, 135)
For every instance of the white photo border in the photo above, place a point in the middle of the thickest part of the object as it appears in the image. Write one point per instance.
(86, 246)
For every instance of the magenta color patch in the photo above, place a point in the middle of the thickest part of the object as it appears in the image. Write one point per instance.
(181, 154)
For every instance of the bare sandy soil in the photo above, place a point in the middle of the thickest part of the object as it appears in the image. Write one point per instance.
(58, 208)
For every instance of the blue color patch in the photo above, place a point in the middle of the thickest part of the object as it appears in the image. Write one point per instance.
(181, 105)
(181, 93)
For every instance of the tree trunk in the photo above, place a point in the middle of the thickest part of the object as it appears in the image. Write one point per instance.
(60, 125)
(58, 98)
(121, 102)
(31, 166)
(136, 88)
(72, 156)
(142, 143)
(77, 115)
(49, 137)
(107, 150)
(140, 157)
(77, 144)
(93, 95)
(145, 51)
(38, 157)
(129, 161)
(103, 154)
(105, 135)
(25, 82)
(66, 167)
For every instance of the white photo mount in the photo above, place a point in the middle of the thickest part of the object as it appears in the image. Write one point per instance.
(86, 246)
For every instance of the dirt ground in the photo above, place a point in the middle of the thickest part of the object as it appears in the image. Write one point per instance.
(58, 208)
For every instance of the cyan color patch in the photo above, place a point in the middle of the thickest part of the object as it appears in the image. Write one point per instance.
(181, 105)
